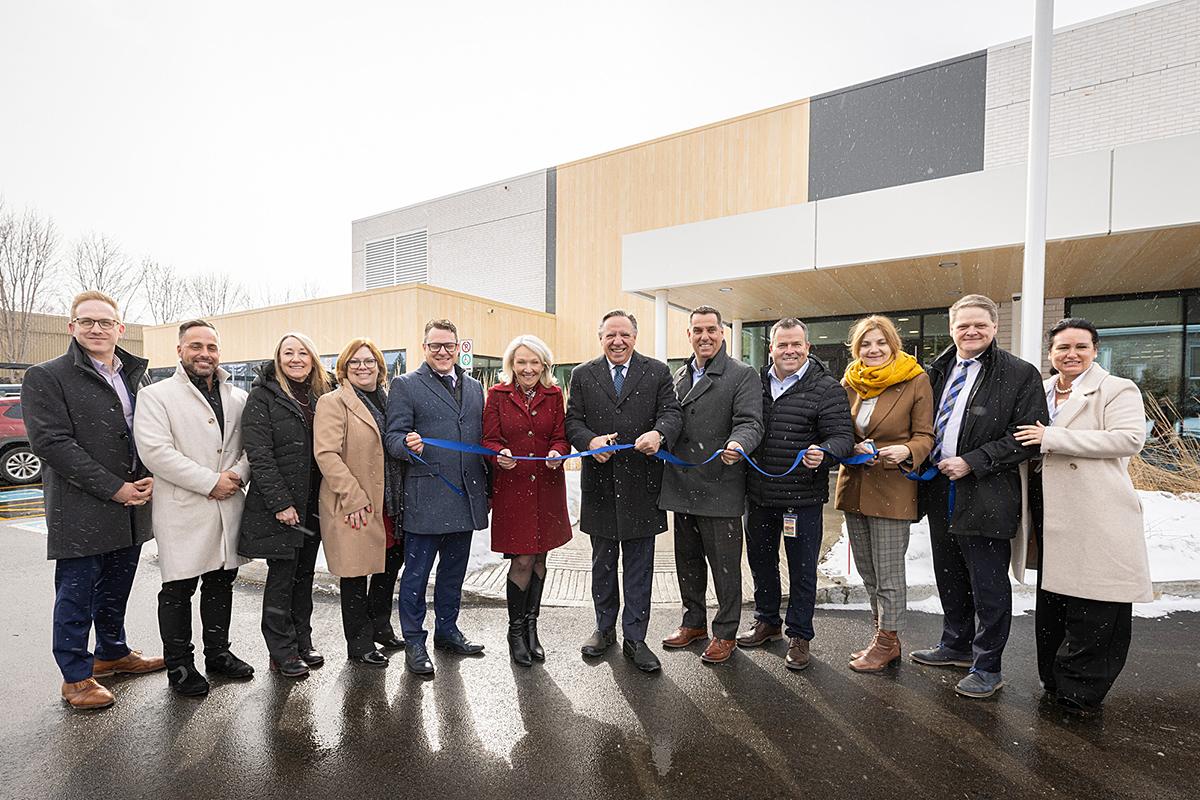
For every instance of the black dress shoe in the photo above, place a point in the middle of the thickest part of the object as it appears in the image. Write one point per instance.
(598, 642)
(458, 644)
(416, 659)
(187, 680)
(389, 642)
(641, 656)
(371, 658)
(311, 657)
(290, 667)
(228, 665)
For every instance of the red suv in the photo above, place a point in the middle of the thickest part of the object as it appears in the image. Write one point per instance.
(18, 464)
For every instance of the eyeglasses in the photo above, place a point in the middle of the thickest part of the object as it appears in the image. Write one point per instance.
(443, 347)
(87, 323)
(361, 362)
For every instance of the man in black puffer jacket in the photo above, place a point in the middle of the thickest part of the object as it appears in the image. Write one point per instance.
(804, 411)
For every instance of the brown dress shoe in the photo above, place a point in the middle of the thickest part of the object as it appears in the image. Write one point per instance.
(682, 636)
(760, 633)
(133, 664)
(884, 651)
(718, 650)
(797, 654)
(87, 694)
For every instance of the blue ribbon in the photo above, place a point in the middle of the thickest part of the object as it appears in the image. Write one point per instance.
(662, 455)
(929, 474)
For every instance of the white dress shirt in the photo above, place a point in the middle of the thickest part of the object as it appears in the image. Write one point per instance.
(1054, 407)
(781, 385)
(954, 424)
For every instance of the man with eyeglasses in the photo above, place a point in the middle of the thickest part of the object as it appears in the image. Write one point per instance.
(79, 413)
(445, 491)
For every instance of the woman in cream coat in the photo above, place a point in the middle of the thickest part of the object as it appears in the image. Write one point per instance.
(1088, 520)
(356, 528)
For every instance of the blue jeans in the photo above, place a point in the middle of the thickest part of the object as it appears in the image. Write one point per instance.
(452, 551)
(91, 591)
(763, 529)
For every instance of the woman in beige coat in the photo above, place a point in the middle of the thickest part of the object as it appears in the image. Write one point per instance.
(1088, 521)
(356, 528)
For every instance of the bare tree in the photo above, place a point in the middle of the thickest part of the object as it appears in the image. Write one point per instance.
(96, 262)
(274, 294)
(216, 293)
(28, 249)
(164, 292)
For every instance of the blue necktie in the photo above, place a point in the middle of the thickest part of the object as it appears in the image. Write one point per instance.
(947, 409)
(618, 378)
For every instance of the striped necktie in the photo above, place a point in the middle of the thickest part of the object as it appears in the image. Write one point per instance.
(947, 409)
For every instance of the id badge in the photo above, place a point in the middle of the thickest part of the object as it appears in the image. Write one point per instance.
(789, 525)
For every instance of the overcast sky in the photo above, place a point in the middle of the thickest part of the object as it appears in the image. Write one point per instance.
(245, 136)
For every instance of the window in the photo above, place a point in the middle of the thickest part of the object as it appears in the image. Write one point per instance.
(486, 370)
(1146, 338)
(13, 411)
(925, 334)
(397, 259)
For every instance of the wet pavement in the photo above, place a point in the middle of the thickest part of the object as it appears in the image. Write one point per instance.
(483, 728)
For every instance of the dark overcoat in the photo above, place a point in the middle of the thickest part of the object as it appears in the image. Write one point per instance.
(419, 401)
(1007, 393)
(620, 496)
(76, 426)
(724, 405)
(529, 501)
(279, 445)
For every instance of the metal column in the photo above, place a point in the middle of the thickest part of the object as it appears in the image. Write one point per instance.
(1033, 275)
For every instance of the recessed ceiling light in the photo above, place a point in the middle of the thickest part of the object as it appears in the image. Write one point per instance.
(823, 336)
(914, 331)
(726, 289)
(947, 264)
(902, 319)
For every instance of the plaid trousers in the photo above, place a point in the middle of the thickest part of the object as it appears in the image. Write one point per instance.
(879, 545)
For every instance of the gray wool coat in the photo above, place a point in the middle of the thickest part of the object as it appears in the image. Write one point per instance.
(724, 405)
(76, 426)
(417, 401)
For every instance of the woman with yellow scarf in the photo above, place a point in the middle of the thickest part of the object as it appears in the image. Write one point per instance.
(892, 404)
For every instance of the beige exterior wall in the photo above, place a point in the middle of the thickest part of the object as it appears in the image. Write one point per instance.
(745, 164)
(394, 317)
(48, 338)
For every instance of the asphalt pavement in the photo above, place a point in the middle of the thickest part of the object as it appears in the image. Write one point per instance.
(483, 728)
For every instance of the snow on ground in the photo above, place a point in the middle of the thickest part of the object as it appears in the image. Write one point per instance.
(1172, 539)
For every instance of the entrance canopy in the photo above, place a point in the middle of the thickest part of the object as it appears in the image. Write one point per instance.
(1121, 220)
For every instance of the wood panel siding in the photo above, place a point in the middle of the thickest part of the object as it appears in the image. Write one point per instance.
(745, 164)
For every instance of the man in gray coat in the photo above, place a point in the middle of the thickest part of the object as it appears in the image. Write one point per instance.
(722, 409)
(441, 401)
(622, 397)
(78, 409)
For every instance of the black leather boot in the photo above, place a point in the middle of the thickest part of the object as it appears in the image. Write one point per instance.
(536, 584)
(518, 648)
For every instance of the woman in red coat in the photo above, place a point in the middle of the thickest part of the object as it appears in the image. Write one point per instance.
(524, 417)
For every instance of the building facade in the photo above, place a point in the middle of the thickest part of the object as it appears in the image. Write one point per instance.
(897, 196)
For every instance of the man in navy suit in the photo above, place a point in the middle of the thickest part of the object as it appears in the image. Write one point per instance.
(438, 400)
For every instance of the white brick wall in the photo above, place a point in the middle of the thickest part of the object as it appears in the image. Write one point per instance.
(489, 241)
(1124, 79)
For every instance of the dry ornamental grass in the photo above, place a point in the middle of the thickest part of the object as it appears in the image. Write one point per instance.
(1169, 462)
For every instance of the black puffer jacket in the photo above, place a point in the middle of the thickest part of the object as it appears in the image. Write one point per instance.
(812, 411)
(280, 447)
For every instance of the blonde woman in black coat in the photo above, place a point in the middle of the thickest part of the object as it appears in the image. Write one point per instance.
(281, 520)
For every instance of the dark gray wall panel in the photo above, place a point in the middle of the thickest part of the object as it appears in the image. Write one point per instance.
(915, 126)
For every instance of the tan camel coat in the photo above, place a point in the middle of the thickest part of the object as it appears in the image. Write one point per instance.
(349, 452)
(903, 415)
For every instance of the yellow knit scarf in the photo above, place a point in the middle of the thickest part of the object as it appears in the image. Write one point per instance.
(871, 381)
